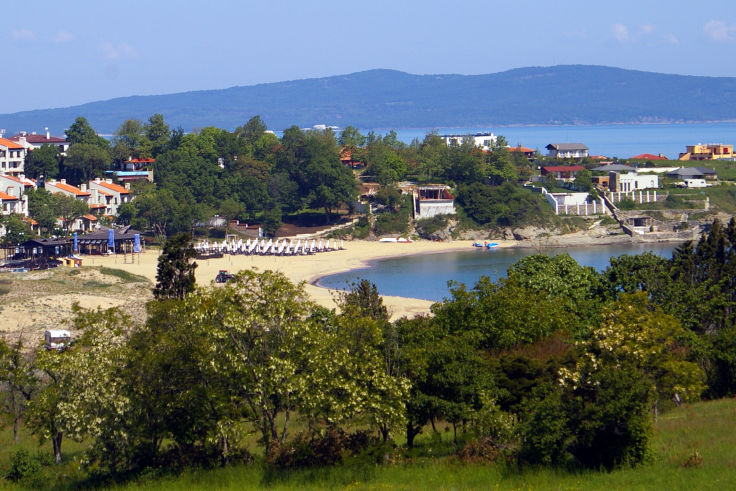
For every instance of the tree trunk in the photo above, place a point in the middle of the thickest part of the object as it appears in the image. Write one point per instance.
(411, 432)
(16, 427)
(384, 433)
(56, 440)
(454, 432)
(655, 411)
(434, 428)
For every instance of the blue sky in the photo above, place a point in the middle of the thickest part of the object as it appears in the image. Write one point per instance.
(66, 53)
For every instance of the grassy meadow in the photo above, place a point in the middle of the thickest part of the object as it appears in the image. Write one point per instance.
(693, 448)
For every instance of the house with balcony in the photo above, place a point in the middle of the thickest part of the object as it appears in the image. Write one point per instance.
(709, 151)
(33, 141)
(107, 193)
(12, 157)
(567, 150)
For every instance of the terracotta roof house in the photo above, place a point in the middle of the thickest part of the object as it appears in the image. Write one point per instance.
(12, 157)
(529, 153)
(346, 157)
(105, 192)
(61, 186)
(15, 187)
(567, 150)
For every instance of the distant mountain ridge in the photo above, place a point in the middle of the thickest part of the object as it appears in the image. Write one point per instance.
(564, 94)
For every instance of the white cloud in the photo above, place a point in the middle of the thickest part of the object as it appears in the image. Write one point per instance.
(621, 33)
(671, 39)
(646, 29)
(113, 52)
(23, 35)
(718, 30)
(63, 37)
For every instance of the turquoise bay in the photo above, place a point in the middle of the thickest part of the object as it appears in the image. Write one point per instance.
(426, 276)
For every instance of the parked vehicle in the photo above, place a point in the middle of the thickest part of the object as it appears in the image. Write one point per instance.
(223, 276)
(57, 339)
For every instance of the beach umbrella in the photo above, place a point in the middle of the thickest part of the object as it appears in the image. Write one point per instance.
(76, 246)
(111, 238)
(137, 243)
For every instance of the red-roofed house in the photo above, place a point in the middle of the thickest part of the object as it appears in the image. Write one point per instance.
(648, 156)
(15, 187)
(79, 193)
(12, 157)
(529, 153)
(110, 194)
(562, 172)
(346, 157)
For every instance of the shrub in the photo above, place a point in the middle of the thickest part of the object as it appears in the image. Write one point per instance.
(319, 449)
(480, 451)
(23, 467)
(626, 204)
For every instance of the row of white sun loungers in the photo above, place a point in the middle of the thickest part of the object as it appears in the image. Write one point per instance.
(279, 247)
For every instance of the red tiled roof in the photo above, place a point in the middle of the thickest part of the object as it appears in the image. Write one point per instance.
(89, 217)
(521, 149)
(97, 206)
(13, 178)
(142, 161)
(38, 139)
(647, 156)
(70, 189)
(563, 168)
(30, 220)
(113, 187)
(7, 197)
(10, 144)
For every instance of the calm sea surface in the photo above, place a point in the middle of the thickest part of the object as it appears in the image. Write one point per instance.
(621, 140)
(426, 276)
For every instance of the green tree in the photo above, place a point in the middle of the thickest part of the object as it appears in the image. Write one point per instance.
(158, 133)
(82, 132)
(252, 130)
(17, 382)
(175, 273)
(67, 208)
(351, 137)
(42, 161)
(584, 181)
(17, 230)
(87, 160)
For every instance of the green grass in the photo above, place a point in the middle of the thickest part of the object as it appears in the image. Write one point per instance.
(124, 276)
(707, 429)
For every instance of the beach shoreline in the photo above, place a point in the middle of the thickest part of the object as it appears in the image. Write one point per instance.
(357, 254)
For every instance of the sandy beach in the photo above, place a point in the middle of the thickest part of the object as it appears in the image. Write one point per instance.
(306, 269)
(38, 310)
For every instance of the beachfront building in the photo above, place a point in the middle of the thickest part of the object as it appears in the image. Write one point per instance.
(710, 151)
(567, 150)
(481, 140)
(433, 200)
(625, 183)
(12, 157)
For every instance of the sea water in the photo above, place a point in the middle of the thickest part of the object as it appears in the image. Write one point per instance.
(613, 140)
(426, 276)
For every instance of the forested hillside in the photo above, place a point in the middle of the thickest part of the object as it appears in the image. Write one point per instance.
(391, 99)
